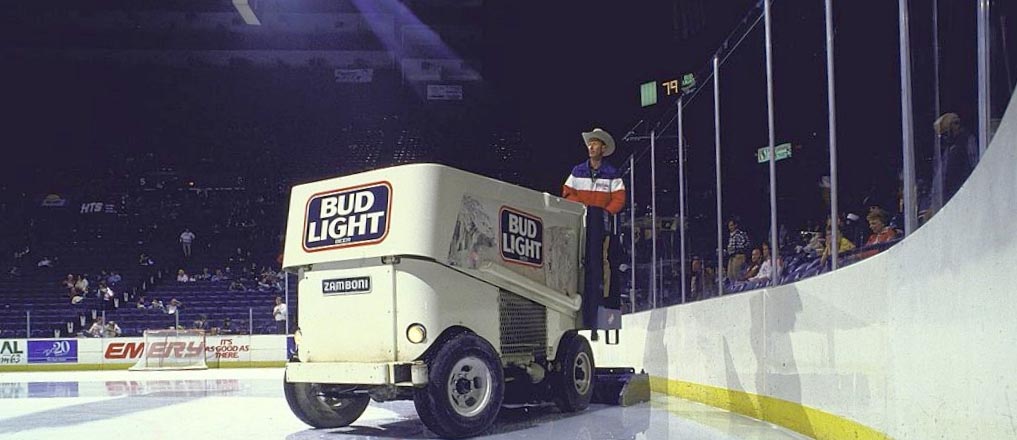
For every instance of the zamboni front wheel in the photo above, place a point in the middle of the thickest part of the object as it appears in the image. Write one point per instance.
(324, 406)
(464, 390)
(572, 380)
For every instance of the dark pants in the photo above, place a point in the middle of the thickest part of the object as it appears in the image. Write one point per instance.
(602, 281)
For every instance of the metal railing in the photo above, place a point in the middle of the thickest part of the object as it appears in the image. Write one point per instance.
(762, 148)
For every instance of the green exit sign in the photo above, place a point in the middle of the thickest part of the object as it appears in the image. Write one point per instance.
(782, 151)
(648, 93)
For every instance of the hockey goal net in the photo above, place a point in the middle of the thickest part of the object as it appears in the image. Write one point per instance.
(172, 350)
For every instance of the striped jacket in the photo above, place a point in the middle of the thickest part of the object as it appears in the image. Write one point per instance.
(603, 188)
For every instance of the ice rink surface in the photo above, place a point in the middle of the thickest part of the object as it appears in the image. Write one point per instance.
(249, 404)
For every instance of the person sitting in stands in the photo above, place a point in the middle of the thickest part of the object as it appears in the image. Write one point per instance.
(219, 276)
(114, 278)
(112, 330)
(142, 303)
(173, 306)
(81, 285)
(182, 276)
(97, 329)
(237, 286)
(105, 292)
(107, 296)
(157, 305)
(201, 323)
(68, 283)
(844, 245)
(752, 269)
(881, 232)
(766, 266)
(227, 327)
(205, 275)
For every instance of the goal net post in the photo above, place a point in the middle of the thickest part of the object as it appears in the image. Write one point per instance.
(172, 350)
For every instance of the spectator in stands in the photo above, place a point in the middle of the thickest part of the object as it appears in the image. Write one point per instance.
(853, 228)
(246, 274)
(696, 282)
(112, 330)
(186, 238)
(97, 329)
(227, 326)
(814, 242)
(279, 313)
(219, 276)
(182, 276)
(237, 286)
(269, 281)
(205, 275)
(107, 296)
(81, 285)
(765, 271)
(752, 269)
(881, 231)
(157, 305)
(201, 323)
(68, 284)
(142, 303)
(843, 245)
(239, 257)
(114, 278)
(173, 307)
(959, 155)
(737, 248)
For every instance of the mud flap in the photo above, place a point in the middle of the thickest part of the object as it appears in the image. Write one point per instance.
(621, 386)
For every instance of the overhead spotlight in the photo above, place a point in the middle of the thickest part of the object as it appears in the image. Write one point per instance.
(245, 11)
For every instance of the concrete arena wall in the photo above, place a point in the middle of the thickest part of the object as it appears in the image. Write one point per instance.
(918, 342)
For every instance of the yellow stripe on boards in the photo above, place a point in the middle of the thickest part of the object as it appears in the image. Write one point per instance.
(794, 416)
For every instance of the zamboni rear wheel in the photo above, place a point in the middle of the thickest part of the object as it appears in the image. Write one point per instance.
(320, 407)
(572, 380)
(465, 388)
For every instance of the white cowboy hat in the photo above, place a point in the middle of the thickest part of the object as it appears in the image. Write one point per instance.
(604, 137)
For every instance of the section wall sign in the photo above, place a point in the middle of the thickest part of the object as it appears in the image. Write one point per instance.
(345, 217)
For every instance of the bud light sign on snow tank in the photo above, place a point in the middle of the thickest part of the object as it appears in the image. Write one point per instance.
(522, 237)
(347, 217)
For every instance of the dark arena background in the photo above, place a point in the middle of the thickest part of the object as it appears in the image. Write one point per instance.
(150, 150)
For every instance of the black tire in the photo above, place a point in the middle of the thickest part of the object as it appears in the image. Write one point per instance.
(465, 388)
(572, 381)
(312, 406)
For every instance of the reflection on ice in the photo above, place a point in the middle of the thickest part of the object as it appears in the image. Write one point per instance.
(249, 403)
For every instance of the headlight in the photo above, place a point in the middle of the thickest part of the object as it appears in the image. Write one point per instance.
(416, 333)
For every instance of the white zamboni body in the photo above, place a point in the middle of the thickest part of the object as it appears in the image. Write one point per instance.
(429, 283)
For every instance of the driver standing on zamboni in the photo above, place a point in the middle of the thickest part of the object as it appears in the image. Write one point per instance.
(597, 184)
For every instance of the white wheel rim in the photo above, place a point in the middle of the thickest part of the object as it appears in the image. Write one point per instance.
(469, 386)
(581, 373)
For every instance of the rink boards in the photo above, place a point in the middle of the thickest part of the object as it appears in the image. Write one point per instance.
(117, 353)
